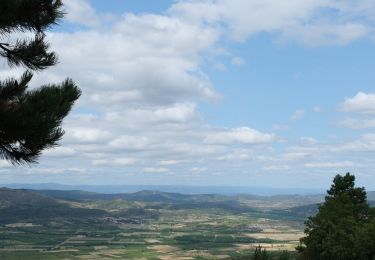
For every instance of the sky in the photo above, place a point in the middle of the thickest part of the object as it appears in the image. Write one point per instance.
(251, 93)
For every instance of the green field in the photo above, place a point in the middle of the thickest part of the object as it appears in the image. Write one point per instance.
(145, 226)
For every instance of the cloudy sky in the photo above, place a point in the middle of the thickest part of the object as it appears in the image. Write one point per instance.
(213, 92)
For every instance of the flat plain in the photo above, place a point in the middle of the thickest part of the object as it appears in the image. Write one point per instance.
(147, 225)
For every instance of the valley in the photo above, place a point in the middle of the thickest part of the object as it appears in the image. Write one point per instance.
(147, 224)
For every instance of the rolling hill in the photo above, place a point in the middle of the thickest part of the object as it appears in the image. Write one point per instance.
(29, 206)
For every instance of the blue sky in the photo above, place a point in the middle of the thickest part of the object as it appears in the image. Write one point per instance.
(203, 93)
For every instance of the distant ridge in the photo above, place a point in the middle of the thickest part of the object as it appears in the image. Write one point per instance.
(222, 190)
(31, 206)
(38, 206)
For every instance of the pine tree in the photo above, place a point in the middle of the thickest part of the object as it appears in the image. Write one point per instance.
(344, 226)
(285, 255)
(260, 254)
(30, 120)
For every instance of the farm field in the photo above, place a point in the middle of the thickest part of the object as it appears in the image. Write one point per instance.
(145, 225)
(186, 234)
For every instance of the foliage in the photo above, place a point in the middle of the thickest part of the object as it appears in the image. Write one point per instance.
(285, 255)
(344, 226)
(30, 120)
(260, 254)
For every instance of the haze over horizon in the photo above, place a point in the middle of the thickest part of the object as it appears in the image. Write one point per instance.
(202, 93)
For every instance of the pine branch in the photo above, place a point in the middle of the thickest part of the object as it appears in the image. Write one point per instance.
(29, 15)
(32, 121)
(31, 54)
(11, 88)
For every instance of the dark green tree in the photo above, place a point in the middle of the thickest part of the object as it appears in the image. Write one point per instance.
(285, 255)
(30, 120)
(344, 225)
(260, 254)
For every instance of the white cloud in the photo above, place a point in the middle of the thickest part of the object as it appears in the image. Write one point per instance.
(173, 114)
(81, 12)
(338, 165)
(198, 169)
(280, 127)
(357, 123)
(363, 103)
(155, 170)
(60, 152)
(129, 143)
(169, 162)
(266, 16)
(176, 113)
(296, 155)
(327, 34)
(298, 114)
(124, 161)
(242, 135)
(364, 144)
(101, 162)
(87, 135)
(273, 168)
(318, 109)
(4, 164)
(220, 66)
(307, 22)
(123, 67)
(237, 155)
(238, 61)
(308, 141)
